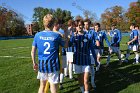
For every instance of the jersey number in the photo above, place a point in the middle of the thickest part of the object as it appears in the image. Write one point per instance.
(48, 46)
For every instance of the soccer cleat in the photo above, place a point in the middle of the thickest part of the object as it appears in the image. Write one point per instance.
(135, 62)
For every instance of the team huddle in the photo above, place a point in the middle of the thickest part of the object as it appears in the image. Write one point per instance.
(76, 48)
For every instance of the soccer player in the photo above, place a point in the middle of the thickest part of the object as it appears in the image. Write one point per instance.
(62, 52)
(47, 43)
(83, 44)
(115, 35)
(70, 49)
(101, 36)
(133, 44)
(137, 28)
(88, 30)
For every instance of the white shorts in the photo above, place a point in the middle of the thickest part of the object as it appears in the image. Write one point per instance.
(81, 69)
(133, 47)
(64, 61)
(51, 77)
(114, 49)
(99, 52)
(69, 56)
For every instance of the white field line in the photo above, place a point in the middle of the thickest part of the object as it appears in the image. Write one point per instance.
(14, 57)
(16, 48)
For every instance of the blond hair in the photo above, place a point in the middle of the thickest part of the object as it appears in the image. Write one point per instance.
(48, 21)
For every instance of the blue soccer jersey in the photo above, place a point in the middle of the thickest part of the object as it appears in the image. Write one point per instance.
(101, 36)
(93, 36)
(115, 38)
(70, 32)
(132, 35)
(83, 44)
(47, 43)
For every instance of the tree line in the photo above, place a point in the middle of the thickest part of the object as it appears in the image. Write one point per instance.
(12, 24)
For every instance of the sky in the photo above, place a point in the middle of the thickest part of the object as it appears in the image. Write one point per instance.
(25, 7)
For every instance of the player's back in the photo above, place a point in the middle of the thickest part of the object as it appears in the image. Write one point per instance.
(48, 44)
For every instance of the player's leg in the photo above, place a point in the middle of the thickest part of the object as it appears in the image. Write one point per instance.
(92, 71)
(54, 88)
(42, 86)
(99, 54)
(86, 70)
(43, 78)
(70, 70)
(109, 56)
(135, 49)
(78, 70)
(70, 61)
(119, 55)
(137, 58)
(62, 71)
(66, 70)
(93, 76)
(128, 53)
(53, 79)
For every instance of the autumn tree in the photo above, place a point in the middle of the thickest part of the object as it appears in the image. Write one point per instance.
(90, 15)
(11, 24)
(133, 13)
(113, 15)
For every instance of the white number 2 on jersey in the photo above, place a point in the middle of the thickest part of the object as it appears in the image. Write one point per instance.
(48, 46)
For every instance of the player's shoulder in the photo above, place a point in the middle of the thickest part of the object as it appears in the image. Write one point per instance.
(135, 30)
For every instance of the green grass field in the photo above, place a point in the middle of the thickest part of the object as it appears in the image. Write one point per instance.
(17, 75)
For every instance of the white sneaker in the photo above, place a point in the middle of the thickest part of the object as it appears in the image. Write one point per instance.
(135, 62)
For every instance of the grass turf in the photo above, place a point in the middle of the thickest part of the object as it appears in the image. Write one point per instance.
(17, 75)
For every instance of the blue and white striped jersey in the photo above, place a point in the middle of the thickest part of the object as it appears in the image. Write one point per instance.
(115, 38)
(101, 36)
(93, 36)
(83, 44)
(132, 35)
(47, 43)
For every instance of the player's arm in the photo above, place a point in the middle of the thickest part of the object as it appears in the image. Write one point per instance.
(33, 53)
(106, 39)
(93, 51)
(97, 43)
(119, 35)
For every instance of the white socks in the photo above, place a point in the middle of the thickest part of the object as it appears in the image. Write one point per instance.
(70, 70)
(66, 71)
(61, 77)
(137, 58)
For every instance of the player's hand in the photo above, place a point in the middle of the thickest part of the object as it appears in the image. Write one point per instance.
(108, 33)
(110, 49)
(128, 43)
(35, 67)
